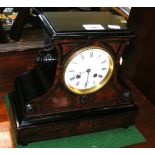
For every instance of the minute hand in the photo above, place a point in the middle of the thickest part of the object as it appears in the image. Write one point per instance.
(86, 83)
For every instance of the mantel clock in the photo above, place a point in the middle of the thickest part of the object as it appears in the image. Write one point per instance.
(76, 87)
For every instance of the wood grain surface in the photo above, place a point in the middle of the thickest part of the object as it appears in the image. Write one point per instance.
(145, 122)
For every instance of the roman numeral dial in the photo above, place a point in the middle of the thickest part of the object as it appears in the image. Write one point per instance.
(88, 70)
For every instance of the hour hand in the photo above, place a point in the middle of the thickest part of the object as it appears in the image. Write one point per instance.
(79, 75)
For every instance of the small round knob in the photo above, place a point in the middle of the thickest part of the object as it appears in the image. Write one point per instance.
(29, 108)
(84, 99)
(126, 96)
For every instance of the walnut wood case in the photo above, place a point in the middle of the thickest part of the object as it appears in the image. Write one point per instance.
(41, 105)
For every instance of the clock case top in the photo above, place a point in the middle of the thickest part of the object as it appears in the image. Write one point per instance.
(40, 97)
(70, 24)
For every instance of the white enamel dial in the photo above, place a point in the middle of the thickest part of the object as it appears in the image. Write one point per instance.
(88, 70)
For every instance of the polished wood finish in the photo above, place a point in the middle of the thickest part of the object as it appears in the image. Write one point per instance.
(147, 128)
(15, 59)
(139, 58)
(41, 104)
(145, 121)
(63, 112)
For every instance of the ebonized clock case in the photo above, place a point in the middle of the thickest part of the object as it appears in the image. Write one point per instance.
(42, 108)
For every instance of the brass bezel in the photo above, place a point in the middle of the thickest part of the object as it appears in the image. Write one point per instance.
(98, 86)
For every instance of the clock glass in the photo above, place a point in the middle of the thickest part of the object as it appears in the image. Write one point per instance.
(88, 70)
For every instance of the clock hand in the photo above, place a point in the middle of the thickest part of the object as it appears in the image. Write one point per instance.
(79, 74)
(86, 83)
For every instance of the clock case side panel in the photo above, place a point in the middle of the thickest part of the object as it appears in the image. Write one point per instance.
(29, 86)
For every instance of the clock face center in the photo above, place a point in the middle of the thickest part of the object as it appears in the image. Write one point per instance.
(88, 70)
